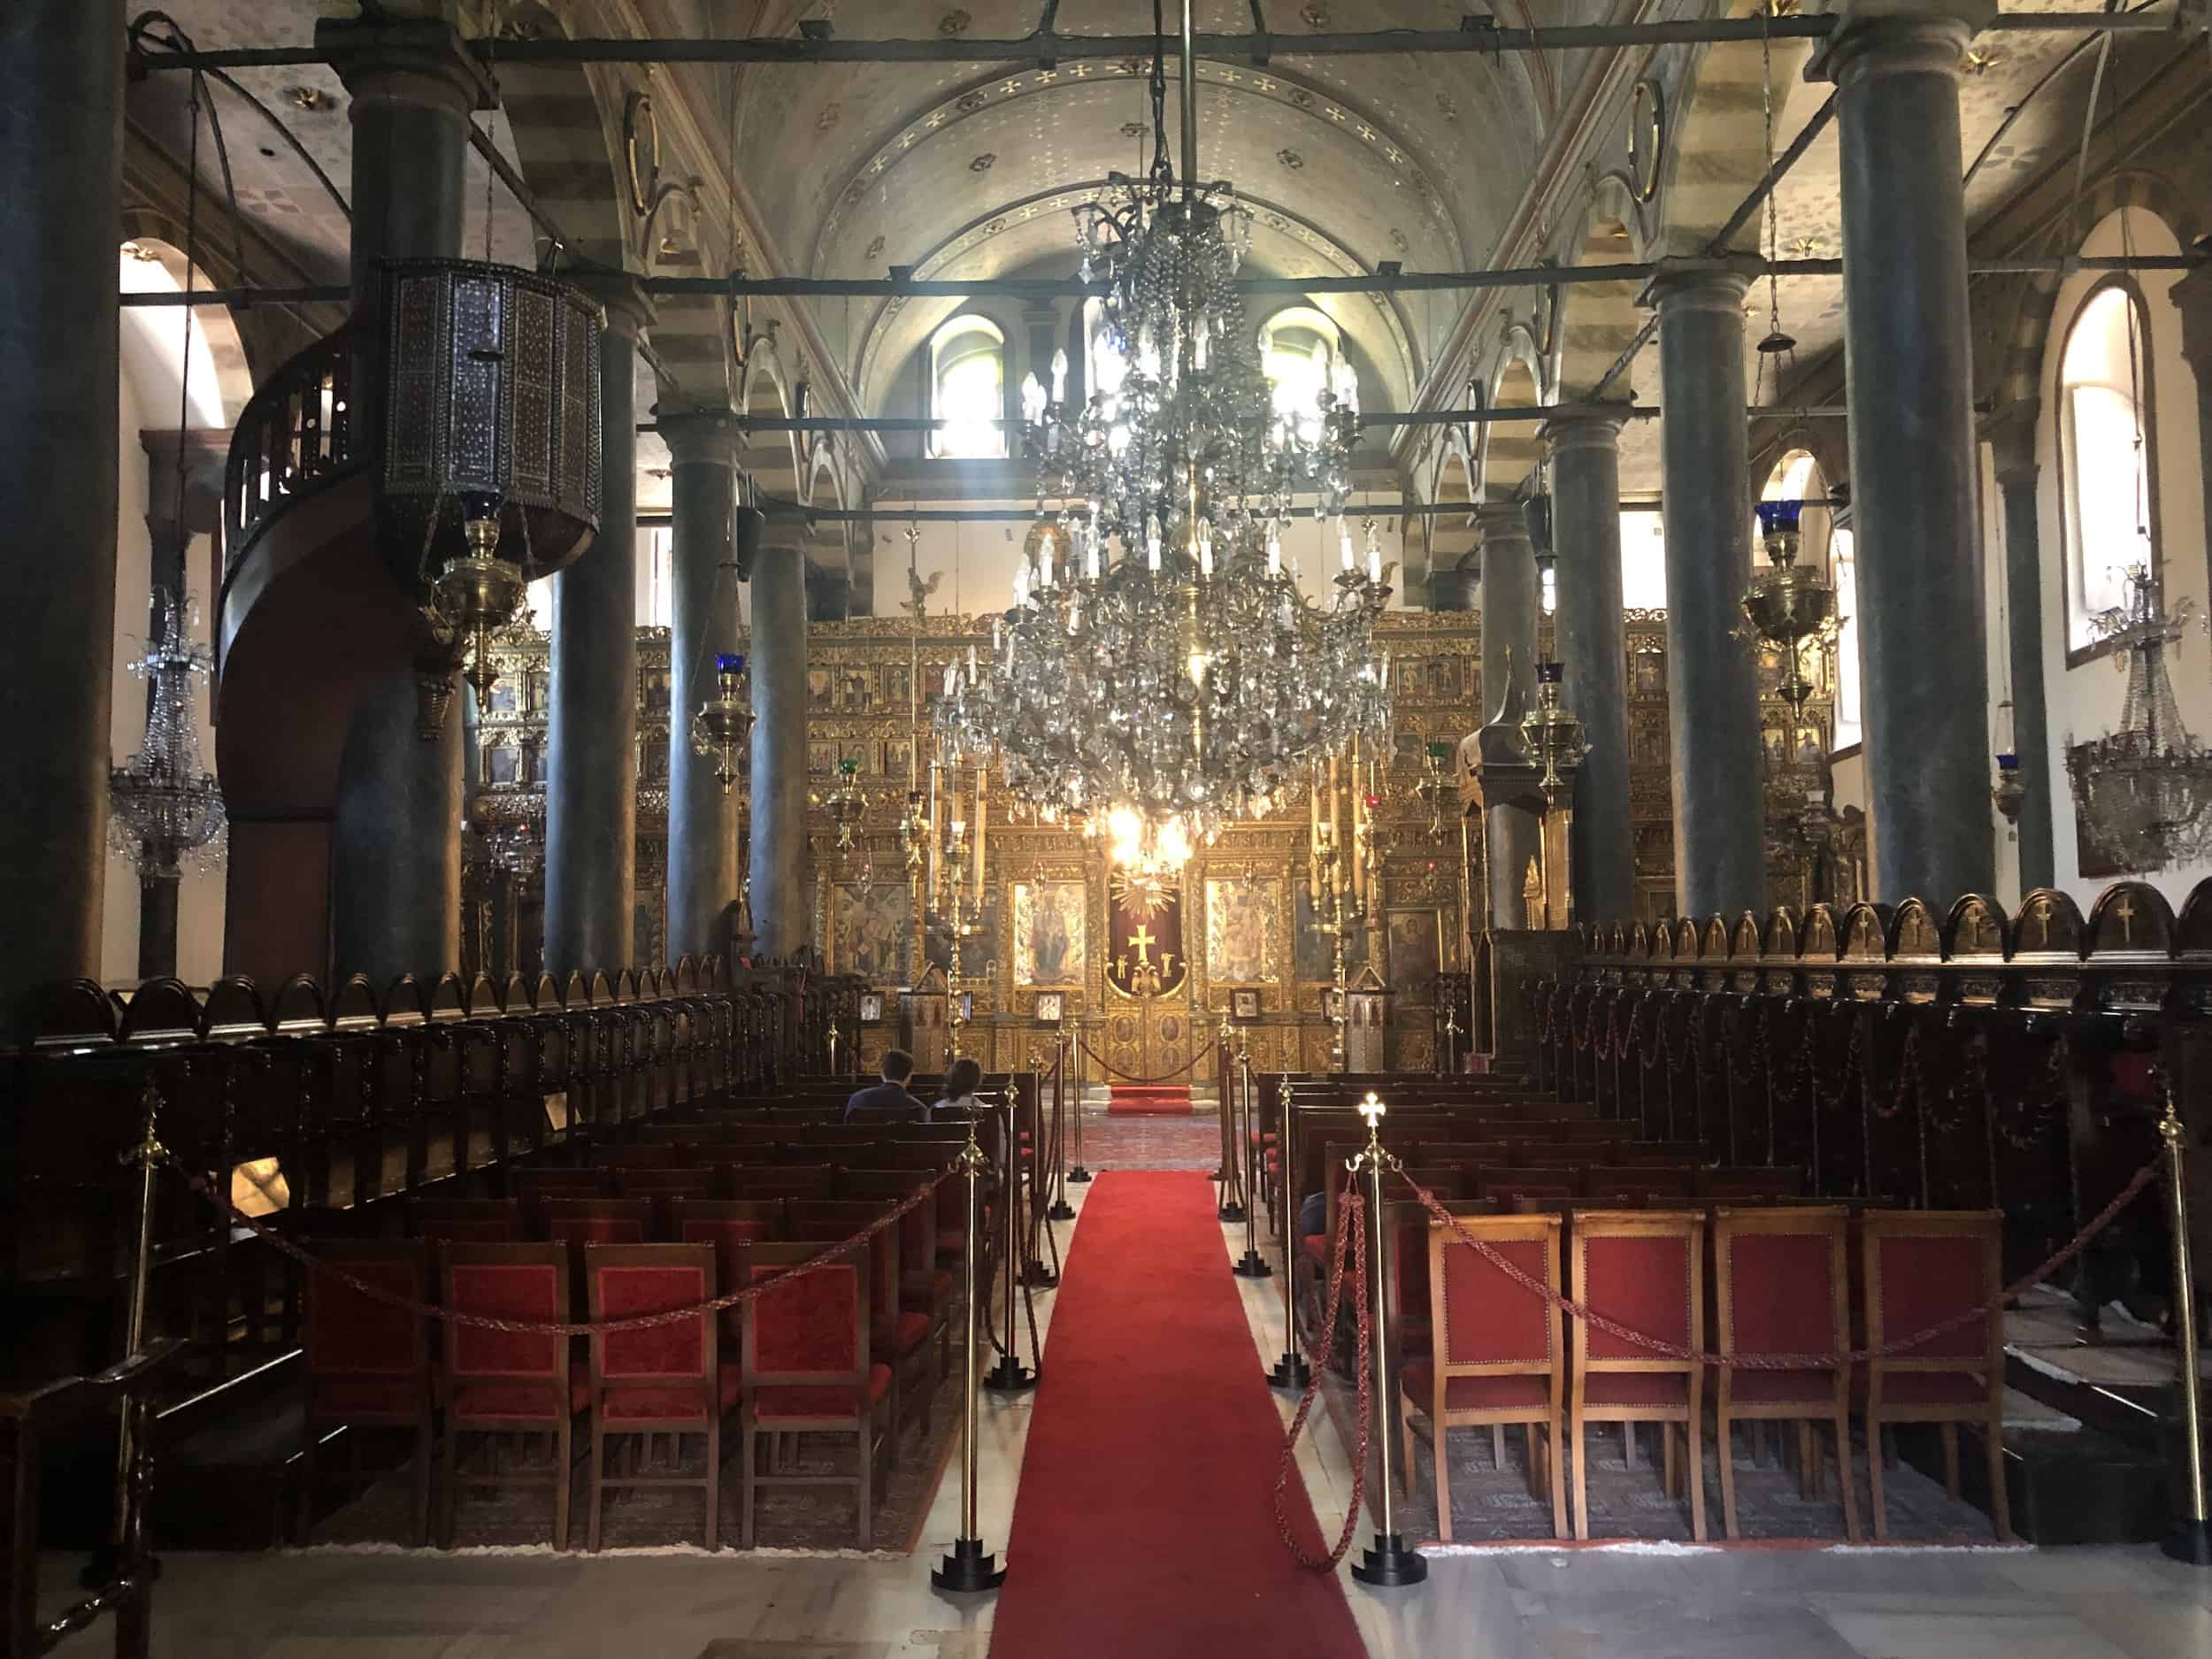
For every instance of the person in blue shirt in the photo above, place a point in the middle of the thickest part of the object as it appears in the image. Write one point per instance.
(888, 1100)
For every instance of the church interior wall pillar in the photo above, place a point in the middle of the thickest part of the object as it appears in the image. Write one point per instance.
(1509, 601)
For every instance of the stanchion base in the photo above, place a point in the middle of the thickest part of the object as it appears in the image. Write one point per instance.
(1218, 1176)
(1254, 1265)
(2189, 1541)
(1290, 1371)
(105, 1564)
(1388, 1562)
(1009, 1376)
(1037, 1276)
(1079, 1175)
(1230, 1212)
(1061, 1210)
(967, 1570)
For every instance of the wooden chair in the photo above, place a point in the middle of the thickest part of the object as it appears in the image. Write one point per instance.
(923, 1286)
(581, 1221)
(1660, 1181)
(508, 1382)
(730, 1225)
(648, 1157)
(367, 1365)
(1749, 1184)
(808, 1369)
(894, 1333)
(1781, 1286)
(1504, 1189)
(781, 1180)
(664, 1379)
(1920, 1267)
(532, 1188)
(438, 1221)
(1687, 1153)
(1497, 1356)
(1645, 1269)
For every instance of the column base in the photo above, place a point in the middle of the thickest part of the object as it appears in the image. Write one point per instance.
(969, 1569)
(2189, 1541)
(1389, 1563)
(1292, 1372)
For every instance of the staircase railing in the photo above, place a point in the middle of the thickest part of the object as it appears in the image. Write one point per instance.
(296, 430)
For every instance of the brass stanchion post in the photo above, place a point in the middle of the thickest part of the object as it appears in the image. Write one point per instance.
(1252, 1264)
(969, 1568)
(1290, 1371)
(1388, 1561)
(2189, 1537)
(124, 1552)
(1076, 1172)
(1009, 1375)
(1233, 1205)
(1061, 1210)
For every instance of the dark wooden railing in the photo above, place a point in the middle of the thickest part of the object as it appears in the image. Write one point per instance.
(295, 431)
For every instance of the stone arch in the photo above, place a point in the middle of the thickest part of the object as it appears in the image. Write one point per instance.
(1600, 320)
(1715, 144)
(1509, 452)
(772, 459)
(2022, 351)
(570, 125)
(216, 325)
(1451, 538)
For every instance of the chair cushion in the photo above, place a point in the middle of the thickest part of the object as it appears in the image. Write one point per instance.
(646, 1406)
(1926, 1388)
(520, 1399)
(1477, 1393)
(911, 1332)
(1636, 1389)
(1316, 1245)
(367, 1400)
(1815, 1388)
(818, 1402)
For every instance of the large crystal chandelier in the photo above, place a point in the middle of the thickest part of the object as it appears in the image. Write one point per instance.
(165, 809)
(2143, 791)
(1159, 656)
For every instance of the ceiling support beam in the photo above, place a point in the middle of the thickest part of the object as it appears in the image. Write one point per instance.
(792, 512)
(1476, 37)
(1524, 415)
(1072, 288)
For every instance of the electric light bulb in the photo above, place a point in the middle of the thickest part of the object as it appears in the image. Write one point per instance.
(1344, 543)
(1274, 554)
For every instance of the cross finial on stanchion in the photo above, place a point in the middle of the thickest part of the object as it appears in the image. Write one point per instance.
(1372, 1110)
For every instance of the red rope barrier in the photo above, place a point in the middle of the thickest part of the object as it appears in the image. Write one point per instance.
(1351, 1232)
(551, 1327)
(1142, 1082)
(1788, 1362)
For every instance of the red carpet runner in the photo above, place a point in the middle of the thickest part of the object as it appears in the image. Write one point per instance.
(1148, 1099)
(1144, 1524)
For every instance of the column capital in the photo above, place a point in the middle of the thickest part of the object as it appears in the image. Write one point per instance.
(2192, 298)
(1584, 431)
(1890, 37)
(700, 437)
(621, 295)
(421, 61)
(2010, 431)
(1504, 520)
(1700, 284)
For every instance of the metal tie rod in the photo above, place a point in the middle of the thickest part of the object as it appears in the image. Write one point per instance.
(1477, 36)
(1073, 288)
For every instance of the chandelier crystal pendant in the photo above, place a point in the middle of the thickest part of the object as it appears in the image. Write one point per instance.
(165, 811)
(1160, 656)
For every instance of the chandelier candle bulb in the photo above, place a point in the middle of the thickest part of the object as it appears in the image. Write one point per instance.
(982, 823)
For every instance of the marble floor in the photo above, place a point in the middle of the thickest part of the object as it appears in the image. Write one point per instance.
(1515, 1602)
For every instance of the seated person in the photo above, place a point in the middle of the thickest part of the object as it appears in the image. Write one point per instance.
(887, 1101)
(962, 1080)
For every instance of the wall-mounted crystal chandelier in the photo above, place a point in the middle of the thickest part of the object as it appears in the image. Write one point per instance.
(165, 809)
(2142, 792)
(1159, 656)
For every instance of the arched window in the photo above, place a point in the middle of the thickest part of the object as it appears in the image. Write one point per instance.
(967, 377)
(1797, 477)
(2105, 456)
(1301, 353)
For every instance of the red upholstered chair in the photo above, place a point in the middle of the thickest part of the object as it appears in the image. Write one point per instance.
(1506, 1189)
(1687, 1154)
(663, 1380)
(1659, 1180)
(781, 1180)
(894, 1334)
(631, 1158)
(504, 1382)
(1749, 1184)
(1645, 1269)
(367, 1364)
(730, 1225)
(1781, 1286)
(1920, 1267)
(581, 1221)
(808, 1370)
(923, 1286)
(1498, 1353)
(532, 1188)
(662, 1185)
(437, 1221)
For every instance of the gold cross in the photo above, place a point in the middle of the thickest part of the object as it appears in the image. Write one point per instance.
(2126, 910)
(2041, 913)
(1143, 941)
(1372, 1110)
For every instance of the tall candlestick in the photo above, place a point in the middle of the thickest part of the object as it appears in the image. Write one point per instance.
(1335, 783)
(935, 830)
(982, 819)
